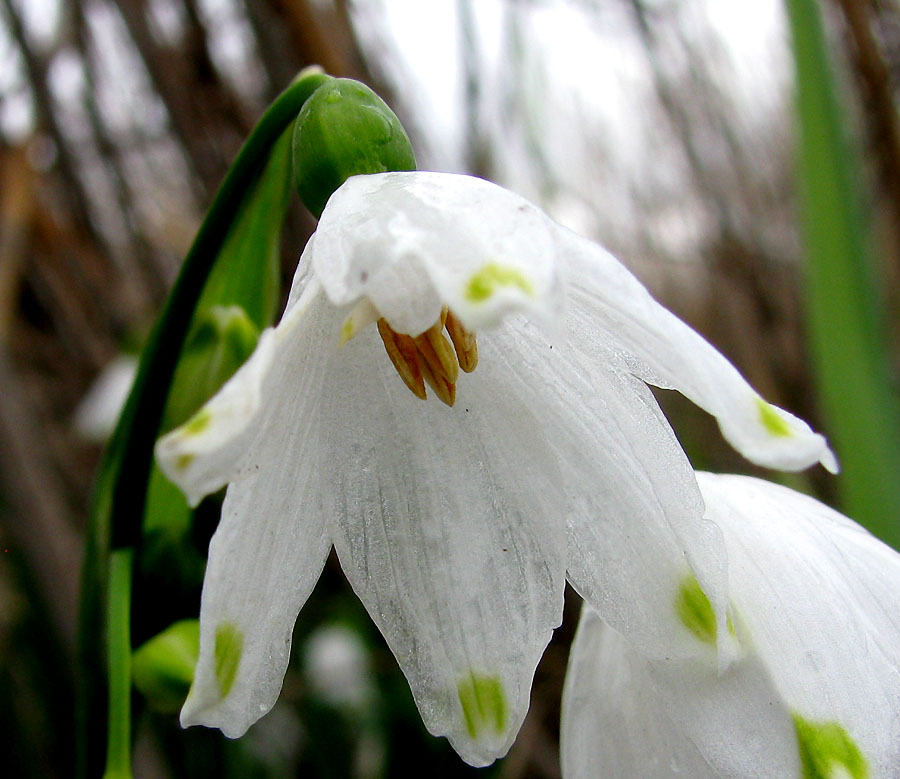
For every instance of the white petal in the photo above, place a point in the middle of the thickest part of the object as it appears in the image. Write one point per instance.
(624, 715)
(413, 242)
(264, 559)
(636, 531)
(450, 531)
(609, 305)
(817, 690)
(818, 596)
(215, 446)
(98, 412)
(611, 723)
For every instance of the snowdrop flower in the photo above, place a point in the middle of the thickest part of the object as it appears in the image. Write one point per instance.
(457, 523)
(99, 410)
(815, 689)
(337, 667)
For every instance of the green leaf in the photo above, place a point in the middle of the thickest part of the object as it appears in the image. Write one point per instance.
(844, 312)
(247, 270)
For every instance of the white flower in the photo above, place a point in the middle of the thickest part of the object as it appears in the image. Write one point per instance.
(337, 668)
(98, 412)
(457, 526)
(815, 689)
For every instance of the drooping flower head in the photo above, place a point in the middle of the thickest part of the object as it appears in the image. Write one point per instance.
(814, 686)
(457, 523)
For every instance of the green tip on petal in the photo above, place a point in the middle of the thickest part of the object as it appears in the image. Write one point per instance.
(228, 650)
(184, 460)
(827, 750)
(198, 423)
(483, 703)
(485, 282)
(695, 611)
(344, 129)
(772, 420)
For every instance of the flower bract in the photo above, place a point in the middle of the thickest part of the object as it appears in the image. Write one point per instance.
(813, 689)
(458, 522)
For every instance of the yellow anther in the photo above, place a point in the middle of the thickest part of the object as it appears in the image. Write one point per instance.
(430, 357)
(405, 357)
(438, 352)
(463, 342)
(443, 388)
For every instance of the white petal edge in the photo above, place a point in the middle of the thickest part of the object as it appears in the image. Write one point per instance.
(664, 351)
(414, 241)
(264, 560)
(813, 597)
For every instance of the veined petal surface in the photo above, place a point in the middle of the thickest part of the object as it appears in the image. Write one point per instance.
(264, 560)
(272, 540)
(610, 309)
(438, 239)
(635, 525)
(449, 525)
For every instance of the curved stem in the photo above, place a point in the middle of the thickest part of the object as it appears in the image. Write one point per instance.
(118, 646)
(121, 489)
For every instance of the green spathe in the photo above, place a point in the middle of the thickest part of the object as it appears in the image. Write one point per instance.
(826, 746)
(345, 130)
(223, 337)
(483, 703)
(228, 651)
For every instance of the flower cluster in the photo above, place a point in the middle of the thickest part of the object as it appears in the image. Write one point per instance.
(458, 523)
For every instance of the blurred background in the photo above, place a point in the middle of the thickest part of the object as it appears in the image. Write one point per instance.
(664, 129)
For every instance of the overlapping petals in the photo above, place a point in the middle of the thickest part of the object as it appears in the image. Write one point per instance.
(457, 526)
(816, 688)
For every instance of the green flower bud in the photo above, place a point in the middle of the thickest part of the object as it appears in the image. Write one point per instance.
(344, 129)
(163, 667)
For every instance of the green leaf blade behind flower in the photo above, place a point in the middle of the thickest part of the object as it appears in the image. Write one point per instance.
(842, 306)
(239, 299)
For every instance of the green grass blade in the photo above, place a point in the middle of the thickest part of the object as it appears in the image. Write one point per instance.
(842, 306)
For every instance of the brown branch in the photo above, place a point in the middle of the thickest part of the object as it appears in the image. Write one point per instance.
(192, 115)
(40, 522)
(139, 253)
(874, 80)
(76, 197)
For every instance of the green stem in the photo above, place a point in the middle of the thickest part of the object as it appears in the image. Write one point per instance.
(120, 493)
(118, 646)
